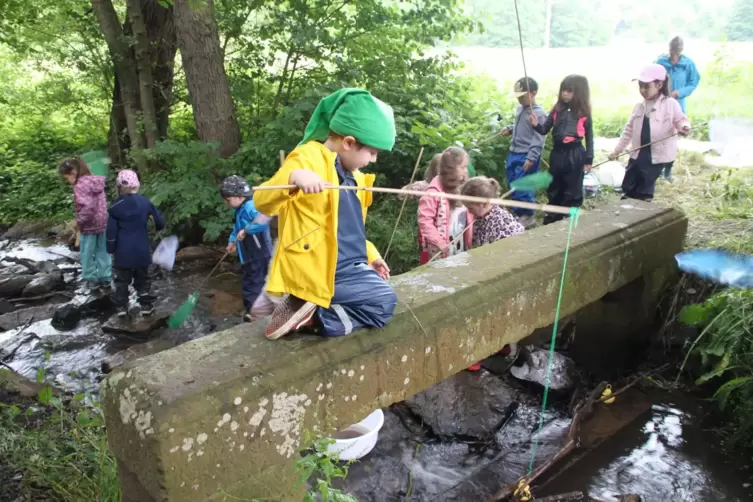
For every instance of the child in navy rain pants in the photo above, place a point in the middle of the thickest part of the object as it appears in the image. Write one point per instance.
(128, 242)
(250, 238)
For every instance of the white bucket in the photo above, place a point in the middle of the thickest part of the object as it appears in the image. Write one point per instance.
(359, 439)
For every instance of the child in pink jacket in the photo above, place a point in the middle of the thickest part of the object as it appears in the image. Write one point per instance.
(440, 221)
(656, 117)
(91, 219)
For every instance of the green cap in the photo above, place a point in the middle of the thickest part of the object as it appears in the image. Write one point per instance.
(353, 112)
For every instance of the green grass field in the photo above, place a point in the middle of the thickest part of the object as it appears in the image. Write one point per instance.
(726, 75)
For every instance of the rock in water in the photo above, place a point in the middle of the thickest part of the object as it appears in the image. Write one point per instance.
(534, 361)
(469, 405)
(13, 286)
(18, 318)
(136, 352)
(135, 325)
(43, 284)
(197, 253)
(66, 317)
(24, 229)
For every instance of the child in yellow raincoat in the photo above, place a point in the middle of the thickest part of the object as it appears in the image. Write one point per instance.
(335, 279)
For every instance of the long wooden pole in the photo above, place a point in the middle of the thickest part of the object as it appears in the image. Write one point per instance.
(548, 208)
(461, 234)
(647, 145)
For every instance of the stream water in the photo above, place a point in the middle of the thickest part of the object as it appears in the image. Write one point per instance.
(74, 359)
(464, 441)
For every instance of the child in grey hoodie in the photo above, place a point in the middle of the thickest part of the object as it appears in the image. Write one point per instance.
(526, 145)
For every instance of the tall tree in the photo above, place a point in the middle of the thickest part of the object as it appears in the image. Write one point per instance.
(143, 51)
(125, 72)
(203, 60)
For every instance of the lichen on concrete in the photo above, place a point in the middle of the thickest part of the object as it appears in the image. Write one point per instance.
(236, 399)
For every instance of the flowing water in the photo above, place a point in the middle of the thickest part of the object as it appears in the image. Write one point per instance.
(669, 453)
(658, 449)
(74, 359)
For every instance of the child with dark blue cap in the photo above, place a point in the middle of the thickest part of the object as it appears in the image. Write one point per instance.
(250, 239)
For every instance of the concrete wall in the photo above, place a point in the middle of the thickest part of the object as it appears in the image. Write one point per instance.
(223, 417)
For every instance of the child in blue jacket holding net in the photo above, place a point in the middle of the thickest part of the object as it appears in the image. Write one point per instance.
(250, 239)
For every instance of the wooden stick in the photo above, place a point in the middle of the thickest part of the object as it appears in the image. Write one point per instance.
(461, 234)
(402, 208)
(482, 141)
(282, 157)
(548, 208)
(646, 145)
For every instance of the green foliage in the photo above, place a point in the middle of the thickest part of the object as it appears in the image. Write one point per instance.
(319, 469)
(739, 28)
(33, 192)
(185, 187)
(585, 23)
(60, 449)
(725, 348)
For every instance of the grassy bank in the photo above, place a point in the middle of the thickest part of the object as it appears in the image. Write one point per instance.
(52, 449)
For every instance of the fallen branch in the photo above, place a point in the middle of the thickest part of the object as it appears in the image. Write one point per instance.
(563, 497)
(45, 296)
(23, 262)
(12, 353)
(633, 382)
(69, 258)
(584, 409)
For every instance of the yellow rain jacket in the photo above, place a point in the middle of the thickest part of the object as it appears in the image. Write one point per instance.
(306, 258)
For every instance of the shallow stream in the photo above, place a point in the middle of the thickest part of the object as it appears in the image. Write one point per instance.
(464, 441)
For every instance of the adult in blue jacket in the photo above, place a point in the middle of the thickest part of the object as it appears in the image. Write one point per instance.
(683, 77)
(128, 242)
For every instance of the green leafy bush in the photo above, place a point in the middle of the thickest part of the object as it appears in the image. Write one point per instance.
(725, 348)
(33, 191)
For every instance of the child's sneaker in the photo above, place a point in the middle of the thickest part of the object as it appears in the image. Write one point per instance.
(290, 315)
(121, 311)
(247, 317)
(105, 287)
(474, 367)
(147, 309)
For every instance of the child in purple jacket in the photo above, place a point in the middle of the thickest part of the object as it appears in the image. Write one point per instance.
(91, 219)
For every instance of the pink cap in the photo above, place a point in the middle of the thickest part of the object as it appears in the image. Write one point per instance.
(128, 179)
(652, 73)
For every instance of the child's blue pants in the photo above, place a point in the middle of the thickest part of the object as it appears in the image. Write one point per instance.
(515, 171)
(362, 300)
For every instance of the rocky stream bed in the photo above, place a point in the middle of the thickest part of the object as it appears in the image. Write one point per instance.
(464, 439)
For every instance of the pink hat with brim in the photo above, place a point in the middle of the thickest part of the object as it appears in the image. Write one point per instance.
(128, 179)
(652, 73)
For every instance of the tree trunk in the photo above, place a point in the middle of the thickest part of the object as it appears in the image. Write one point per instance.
(208, 87)
(143, 57)
(117, 138)
(160, 29)
(129, 82)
